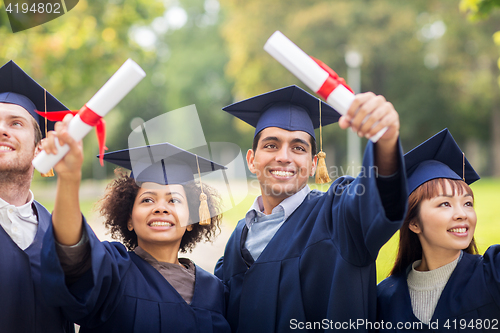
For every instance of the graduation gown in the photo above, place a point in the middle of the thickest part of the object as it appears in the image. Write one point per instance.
(123, 293)
(318, 271)
(471, 294)
(22, 307)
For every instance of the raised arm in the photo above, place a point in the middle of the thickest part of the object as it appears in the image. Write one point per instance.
(66, 217)
(369, 114)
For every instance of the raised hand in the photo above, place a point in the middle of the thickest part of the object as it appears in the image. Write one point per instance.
(70, 166)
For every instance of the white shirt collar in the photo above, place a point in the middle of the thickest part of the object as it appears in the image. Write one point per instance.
(24, 210)
(289, 205)
(20, 223)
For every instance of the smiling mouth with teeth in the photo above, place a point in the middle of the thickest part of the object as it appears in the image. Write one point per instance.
(458, 230)
(160, 224)
(5, 148)
(281, 173)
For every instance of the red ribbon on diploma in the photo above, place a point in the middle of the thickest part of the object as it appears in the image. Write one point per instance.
(90, 118)
(331, 82)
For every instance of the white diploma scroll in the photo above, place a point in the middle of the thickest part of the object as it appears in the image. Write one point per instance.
(110, 94)
(308, 71)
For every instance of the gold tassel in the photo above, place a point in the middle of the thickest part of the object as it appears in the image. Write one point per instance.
(51, 171)
(321, 170)
(463, 166)
(204, 212)
(48, 174)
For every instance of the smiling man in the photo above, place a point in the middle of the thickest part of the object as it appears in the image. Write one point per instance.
(23, 221)
(302, 258)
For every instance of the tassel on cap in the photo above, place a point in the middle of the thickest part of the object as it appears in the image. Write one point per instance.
(204, 212)
(51, 171)
(321, 169)
(48, 174)
(463, 166)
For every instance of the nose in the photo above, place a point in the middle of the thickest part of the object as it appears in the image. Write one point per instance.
(460, 213)
(3, 129)
(161, 209)
(283, 155)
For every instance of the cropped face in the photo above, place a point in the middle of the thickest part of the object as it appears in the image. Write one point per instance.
(17, 147)
(160, 215)
(282, 161)
(446, 222)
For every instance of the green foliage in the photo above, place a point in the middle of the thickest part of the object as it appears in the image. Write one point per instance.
(479, 9)
(435, 78)
(74, 55)
(216, 57)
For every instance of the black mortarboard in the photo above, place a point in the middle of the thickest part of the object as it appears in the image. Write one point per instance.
(438, 157)
(161, 163)
(290, 108)
(17, 87)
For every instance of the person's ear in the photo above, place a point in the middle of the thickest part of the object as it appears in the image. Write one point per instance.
(251, 160)
(415, 227)
(314, 165)
(189, 227)
(38, 148)
(130, 227)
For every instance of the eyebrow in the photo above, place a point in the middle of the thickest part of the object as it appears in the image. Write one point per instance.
(270, 138)
(155, 193)
(296, 140)
(450, 196)
(14, 116)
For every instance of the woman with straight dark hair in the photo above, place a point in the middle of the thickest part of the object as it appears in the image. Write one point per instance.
(439, 283)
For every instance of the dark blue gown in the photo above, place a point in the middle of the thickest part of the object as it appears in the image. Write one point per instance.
(319, 268)
(123, 293)
(23, 308)
(472, 293)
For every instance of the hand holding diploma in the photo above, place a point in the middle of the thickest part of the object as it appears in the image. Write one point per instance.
(70, 165)
(113, 91)
(369, 115)
(66, 216)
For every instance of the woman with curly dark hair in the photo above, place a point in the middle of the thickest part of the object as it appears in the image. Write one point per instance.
(157, 212)
(117, 204)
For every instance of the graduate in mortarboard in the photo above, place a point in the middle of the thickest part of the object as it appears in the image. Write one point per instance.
(23, 220)
(303, 259)
(157, 211)
(439, 283)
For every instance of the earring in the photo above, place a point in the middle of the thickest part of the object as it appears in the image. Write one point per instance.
(189, 228)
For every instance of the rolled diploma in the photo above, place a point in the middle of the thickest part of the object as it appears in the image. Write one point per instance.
(110, 94)
(308, 71)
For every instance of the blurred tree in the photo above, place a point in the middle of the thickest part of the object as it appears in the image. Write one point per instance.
(189, 67)
(481, 10)
(74, 55)
(177, 43)
(423, 56)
